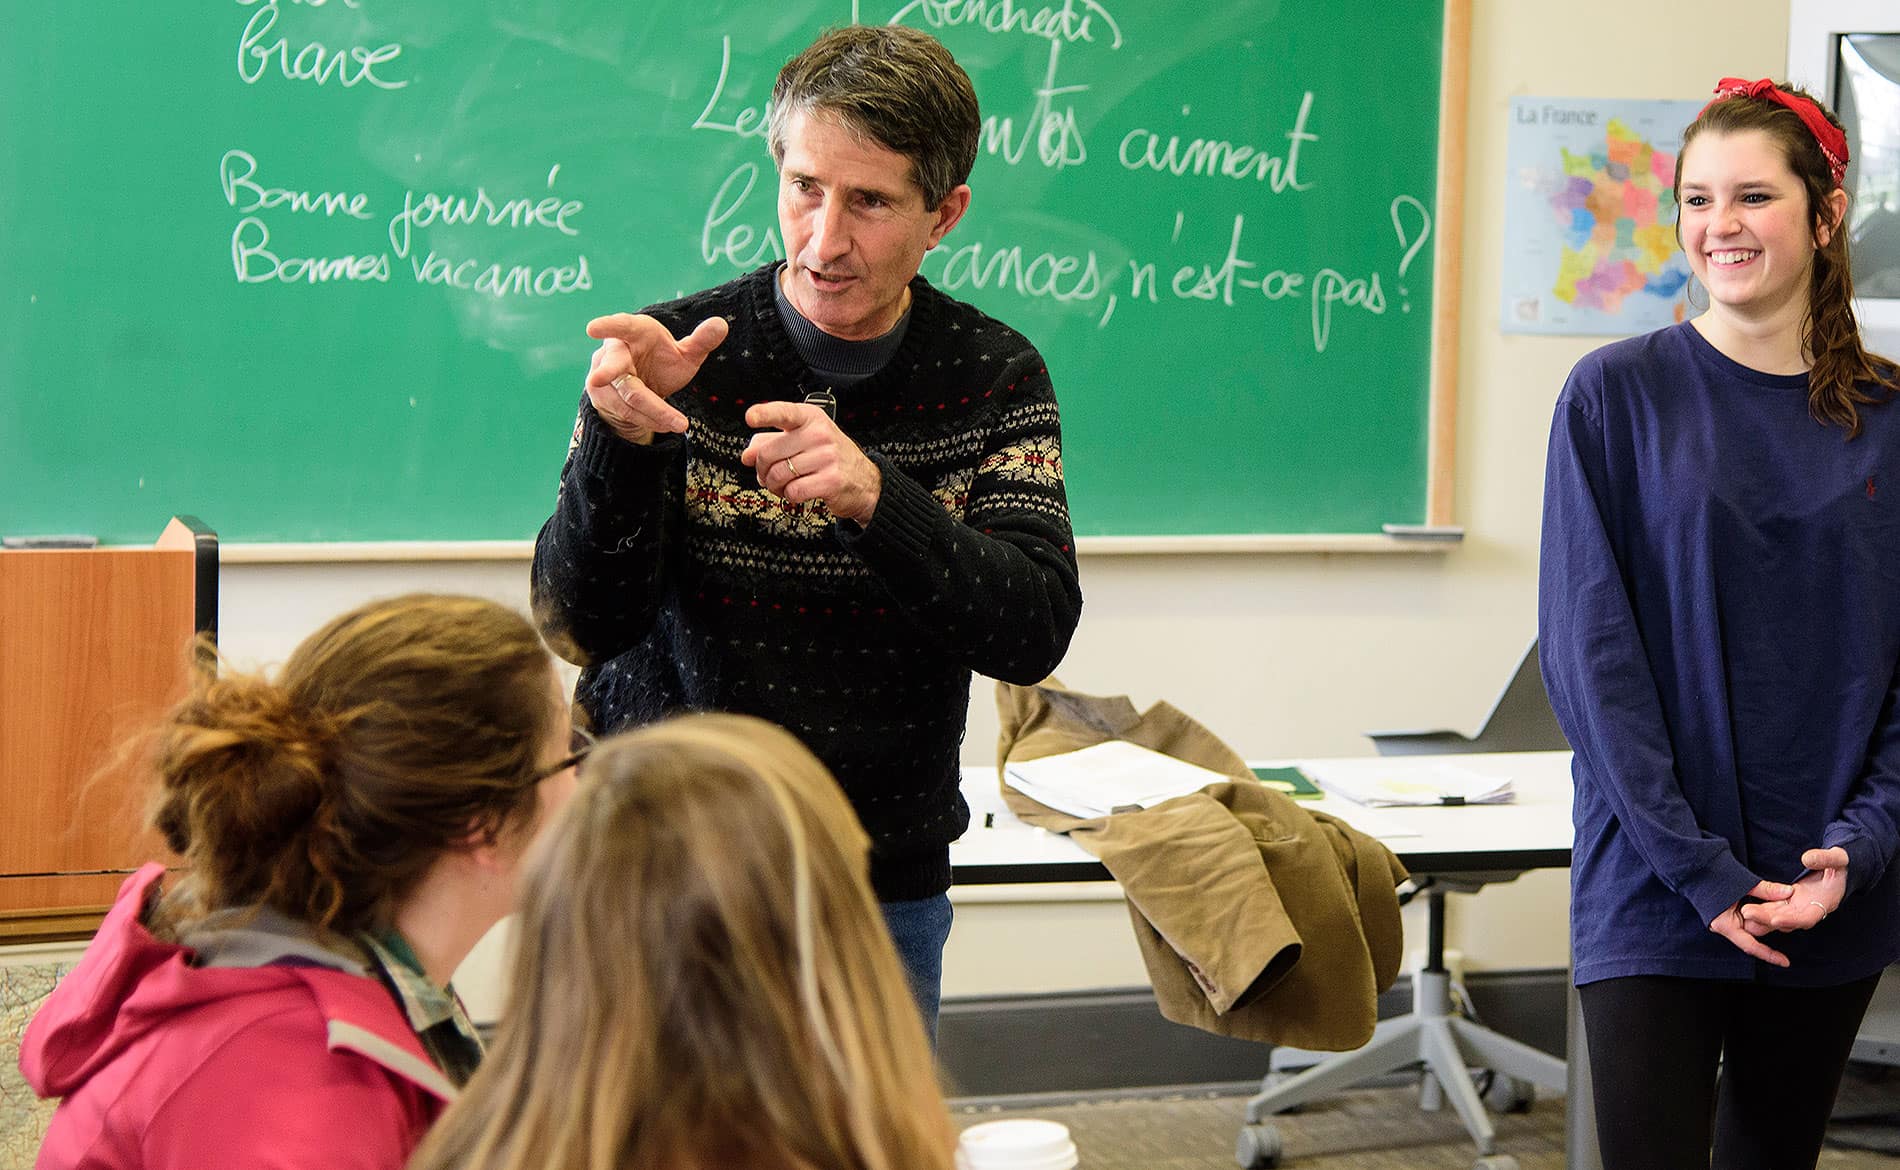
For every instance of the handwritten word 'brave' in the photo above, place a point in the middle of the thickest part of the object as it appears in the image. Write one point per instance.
(314, 62)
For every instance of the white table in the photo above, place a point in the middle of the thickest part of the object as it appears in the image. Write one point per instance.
(1532, 832)
(1466, 844)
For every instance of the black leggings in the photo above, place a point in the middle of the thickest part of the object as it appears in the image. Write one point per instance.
(1654, 1047)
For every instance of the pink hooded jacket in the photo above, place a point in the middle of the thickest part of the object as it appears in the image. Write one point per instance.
(164, 1065)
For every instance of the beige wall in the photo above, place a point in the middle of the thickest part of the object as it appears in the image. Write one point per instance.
(1291, 655)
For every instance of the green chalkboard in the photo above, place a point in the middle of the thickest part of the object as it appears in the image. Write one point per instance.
(318, 270)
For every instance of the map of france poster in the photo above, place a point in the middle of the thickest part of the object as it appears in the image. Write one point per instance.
(1589, 218)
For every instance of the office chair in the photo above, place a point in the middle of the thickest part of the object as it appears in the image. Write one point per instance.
(1435, 1032)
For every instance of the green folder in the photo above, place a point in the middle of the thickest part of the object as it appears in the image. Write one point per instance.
(1290, 780)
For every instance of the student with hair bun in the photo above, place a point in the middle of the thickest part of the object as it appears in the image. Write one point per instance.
(1720, 631)
(347, 833)
(702, 978)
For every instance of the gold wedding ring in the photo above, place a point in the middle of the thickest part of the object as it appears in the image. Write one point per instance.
(792, 467)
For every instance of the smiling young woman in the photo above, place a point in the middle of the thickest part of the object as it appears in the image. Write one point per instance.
(1753, 164)
(1720, 631)
(1751, 239)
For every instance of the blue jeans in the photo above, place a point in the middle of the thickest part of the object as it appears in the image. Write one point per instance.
(920, 928)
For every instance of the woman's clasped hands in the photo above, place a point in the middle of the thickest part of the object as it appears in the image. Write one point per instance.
(1801, 905)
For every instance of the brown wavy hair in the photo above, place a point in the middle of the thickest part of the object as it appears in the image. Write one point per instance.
(898, 86)
(394, 733)
(1844, 376)
(701, 978)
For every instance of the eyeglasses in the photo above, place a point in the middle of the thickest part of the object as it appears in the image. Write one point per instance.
(579, 744)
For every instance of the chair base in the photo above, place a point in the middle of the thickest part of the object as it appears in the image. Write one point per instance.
(1447, 1043)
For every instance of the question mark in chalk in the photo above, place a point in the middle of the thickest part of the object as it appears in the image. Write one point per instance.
(1410, 245)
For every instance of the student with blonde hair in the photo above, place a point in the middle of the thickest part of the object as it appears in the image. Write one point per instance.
(348, 832)
(702, 978)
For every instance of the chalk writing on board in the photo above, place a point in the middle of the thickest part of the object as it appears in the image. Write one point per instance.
(259, 258)
(1056, 133)
(743, 245)
(1257, 268)
(1142, 149)
(493, 279)
(244, 209)
(739, 230)
(259, 53)
(747, 123)
(1042, 275)
(431, 207)
(255, 259)
(726, 237)
(1408, 207)
(237, 172)
(1070, 21)
(255, 262)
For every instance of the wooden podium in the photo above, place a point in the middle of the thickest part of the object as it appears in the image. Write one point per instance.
(94, 645)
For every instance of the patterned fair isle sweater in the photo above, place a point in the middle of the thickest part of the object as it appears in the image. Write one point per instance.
(678, 583)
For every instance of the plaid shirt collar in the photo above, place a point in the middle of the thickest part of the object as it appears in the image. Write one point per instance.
(436, 1013)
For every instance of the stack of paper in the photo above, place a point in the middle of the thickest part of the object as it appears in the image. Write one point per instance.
(1434, 784)
(1097, 780)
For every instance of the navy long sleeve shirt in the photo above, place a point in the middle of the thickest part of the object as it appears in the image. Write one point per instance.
(1719, 625)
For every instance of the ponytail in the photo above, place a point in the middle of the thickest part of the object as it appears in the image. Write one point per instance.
(242, 791)
(1843, 367)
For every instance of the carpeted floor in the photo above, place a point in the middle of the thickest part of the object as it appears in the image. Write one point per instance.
(1363, 1129)
(1867, 1113)
(1371, 1129)
(23, 1117)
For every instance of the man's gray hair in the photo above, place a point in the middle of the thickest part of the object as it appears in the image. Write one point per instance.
(896, 86)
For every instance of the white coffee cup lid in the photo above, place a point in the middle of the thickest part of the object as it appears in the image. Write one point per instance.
(1016, 1144)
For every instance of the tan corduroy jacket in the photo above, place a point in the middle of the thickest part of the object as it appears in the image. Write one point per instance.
(1257, 918)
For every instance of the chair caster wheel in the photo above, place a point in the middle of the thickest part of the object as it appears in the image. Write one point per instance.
(1259, 1147)
(1495, 1162)
(1510, 1095)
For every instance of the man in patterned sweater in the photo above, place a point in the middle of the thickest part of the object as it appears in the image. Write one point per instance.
(824, 493)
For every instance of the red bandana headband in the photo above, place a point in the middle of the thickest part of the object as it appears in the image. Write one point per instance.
(1832, 141)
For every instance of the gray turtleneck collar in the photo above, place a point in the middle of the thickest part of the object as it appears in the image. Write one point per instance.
(835, 360)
